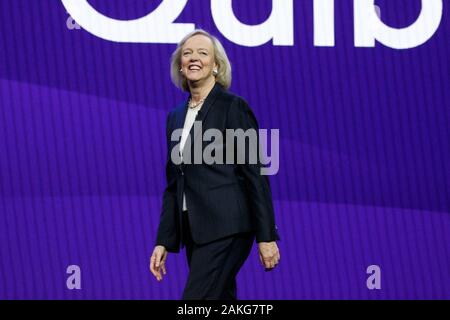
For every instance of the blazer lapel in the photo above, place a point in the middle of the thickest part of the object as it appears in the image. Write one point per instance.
(181, 115)
(209, 101)
(202, 113)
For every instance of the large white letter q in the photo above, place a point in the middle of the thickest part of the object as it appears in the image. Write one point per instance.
(155, 27)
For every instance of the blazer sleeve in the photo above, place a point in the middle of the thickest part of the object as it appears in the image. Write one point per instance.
(167, 234)
(257, 186)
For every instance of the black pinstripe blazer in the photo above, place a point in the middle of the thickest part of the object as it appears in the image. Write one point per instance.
(222, 199)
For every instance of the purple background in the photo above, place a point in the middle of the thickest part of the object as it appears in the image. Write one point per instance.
(364, 158)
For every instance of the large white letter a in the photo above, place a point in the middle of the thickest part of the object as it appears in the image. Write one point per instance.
(279, 26)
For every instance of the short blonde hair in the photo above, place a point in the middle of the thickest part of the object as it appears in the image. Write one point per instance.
(223, 75)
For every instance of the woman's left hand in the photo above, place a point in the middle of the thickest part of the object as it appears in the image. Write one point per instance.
(269, 254)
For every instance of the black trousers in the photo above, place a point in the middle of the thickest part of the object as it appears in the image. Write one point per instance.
(213, 267)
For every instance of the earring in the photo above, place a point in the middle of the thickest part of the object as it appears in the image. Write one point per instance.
(181, 70)
(215, 72)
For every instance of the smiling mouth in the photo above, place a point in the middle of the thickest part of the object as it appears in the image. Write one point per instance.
(194, 68)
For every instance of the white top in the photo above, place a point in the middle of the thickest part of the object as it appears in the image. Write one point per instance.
(188, 123)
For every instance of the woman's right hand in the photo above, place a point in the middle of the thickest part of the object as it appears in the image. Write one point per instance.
(158, 262)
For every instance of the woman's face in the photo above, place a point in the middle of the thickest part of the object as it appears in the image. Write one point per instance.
(197, 59)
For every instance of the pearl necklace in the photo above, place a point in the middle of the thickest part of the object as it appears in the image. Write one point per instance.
(193, 105)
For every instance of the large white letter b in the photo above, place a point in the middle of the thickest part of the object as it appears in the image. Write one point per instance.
(369, 27)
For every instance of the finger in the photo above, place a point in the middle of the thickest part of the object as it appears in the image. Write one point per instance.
(158, 259)
(152, 264)
(163, 262)
(268, 268)
(273, 261)
(268, 264)
(269, 258)
(163, 258)
(277, 259)
(277, 254)
(158, 274)
(154, 268)
(155, 272)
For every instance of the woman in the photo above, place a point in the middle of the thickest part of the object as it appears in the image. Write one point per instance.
(215, 210)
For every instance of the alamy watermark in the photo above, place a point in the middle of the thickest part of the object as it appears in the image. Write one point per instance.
(373, 282)
(234, 146)
(74, 279)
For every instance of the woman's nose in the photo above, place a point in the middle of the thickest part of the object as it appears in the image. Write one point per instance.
(194, 57)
